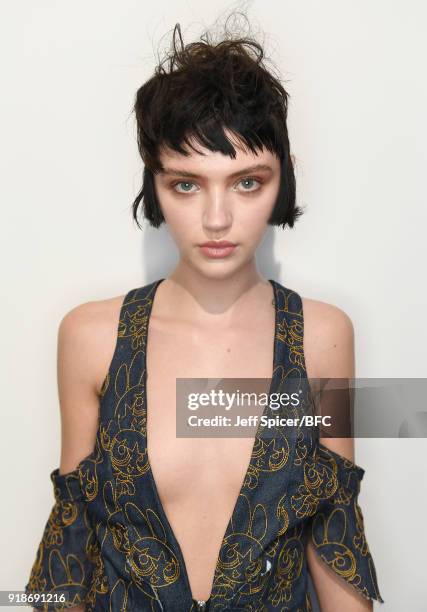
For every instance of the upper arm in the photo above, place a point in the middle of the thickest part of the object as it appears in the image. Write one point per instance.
(329, 353)
(78, 340)
(87, 338)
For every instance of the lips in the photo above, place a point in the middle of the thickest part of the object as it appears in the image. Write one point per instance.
(216, 249)
(217, 244)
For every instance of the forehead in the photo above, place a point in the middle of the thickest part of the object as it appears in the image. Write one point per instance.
(214, 162)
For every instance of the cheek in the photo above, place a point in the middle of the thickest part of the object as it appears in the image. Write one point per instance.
(254, 216)
(179, 220)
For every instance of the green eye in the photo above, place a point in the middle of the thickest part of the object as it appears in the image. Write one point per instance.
(186, 189)
(250, 184)
(251, 181)
(247, 181)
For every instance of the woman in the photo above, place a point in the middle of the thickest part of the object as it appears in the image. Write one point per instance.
(146, 520)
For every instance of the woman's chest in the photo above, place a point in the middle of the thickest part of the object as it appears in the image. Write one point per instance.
(183, 466)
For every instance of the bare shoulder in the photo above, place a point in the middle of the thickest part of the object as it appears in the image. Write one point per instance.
(87, 335)
(329, 353)
(86, 342)
(328, 340)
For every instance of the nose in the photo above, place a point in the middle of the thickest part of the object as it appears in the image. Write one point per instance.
(217, 215)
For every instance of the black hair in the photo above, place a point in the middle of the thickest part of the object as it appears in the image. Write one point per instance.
(201, 88)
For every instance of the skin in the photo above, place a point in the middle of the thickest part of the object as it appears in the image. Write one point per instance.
(206, 303)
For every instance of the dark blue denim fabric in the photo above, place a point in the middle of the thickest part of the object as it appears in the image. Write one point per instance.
(108, 540)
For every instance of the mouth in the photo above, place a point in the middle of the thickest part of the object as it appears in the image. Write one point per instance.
(217, 249)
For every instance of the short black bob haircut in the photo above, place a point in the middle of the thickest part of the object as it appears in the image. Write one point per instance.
(196, 91)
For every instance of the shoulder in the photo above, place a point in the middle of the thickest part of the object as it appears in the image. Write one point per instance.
(87, 336)
(328, 339)
(91, 319)
(329, 353)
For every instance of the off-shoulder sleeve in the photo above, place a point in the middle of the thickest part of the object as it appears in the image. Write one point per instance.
(337, 528)
(64, 564)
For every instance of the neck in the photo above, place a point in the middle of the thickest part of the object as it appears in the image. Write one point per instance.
(189, 294)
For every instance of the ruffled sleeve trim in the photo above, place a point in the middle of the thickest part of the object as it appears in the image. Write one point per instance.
(337, 528)
(63, 567)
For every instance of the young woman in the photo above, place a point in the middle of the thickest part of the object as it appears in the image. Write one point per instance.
(146, 520)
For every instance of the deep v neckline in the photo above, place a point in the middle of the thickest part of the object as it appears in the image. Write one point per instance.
(163, 517)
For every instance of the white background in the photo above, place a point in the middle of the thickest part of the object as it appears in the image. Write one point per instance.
(355, 72)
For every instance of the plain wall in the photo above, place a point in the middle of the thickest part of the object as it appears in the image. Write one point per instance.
(355, 72)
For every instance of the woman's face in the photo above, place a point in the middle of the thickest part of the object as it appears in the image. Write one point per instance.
(212, 197)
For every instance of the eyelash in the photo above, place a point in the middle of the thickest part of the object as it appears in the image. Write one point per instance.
(246, 178)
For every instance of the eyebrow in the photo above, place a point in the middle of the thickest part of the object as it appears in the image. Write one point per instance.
(247, 170)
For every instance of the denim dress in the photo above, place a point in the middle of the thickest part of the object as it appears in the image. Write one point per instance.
(107, 541)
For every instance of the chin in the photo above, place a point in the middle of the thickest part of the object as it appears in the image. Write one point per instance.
(217, 269)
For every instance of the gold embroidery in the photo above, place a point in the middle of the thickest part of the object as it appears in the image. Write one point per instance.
(293, 487)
